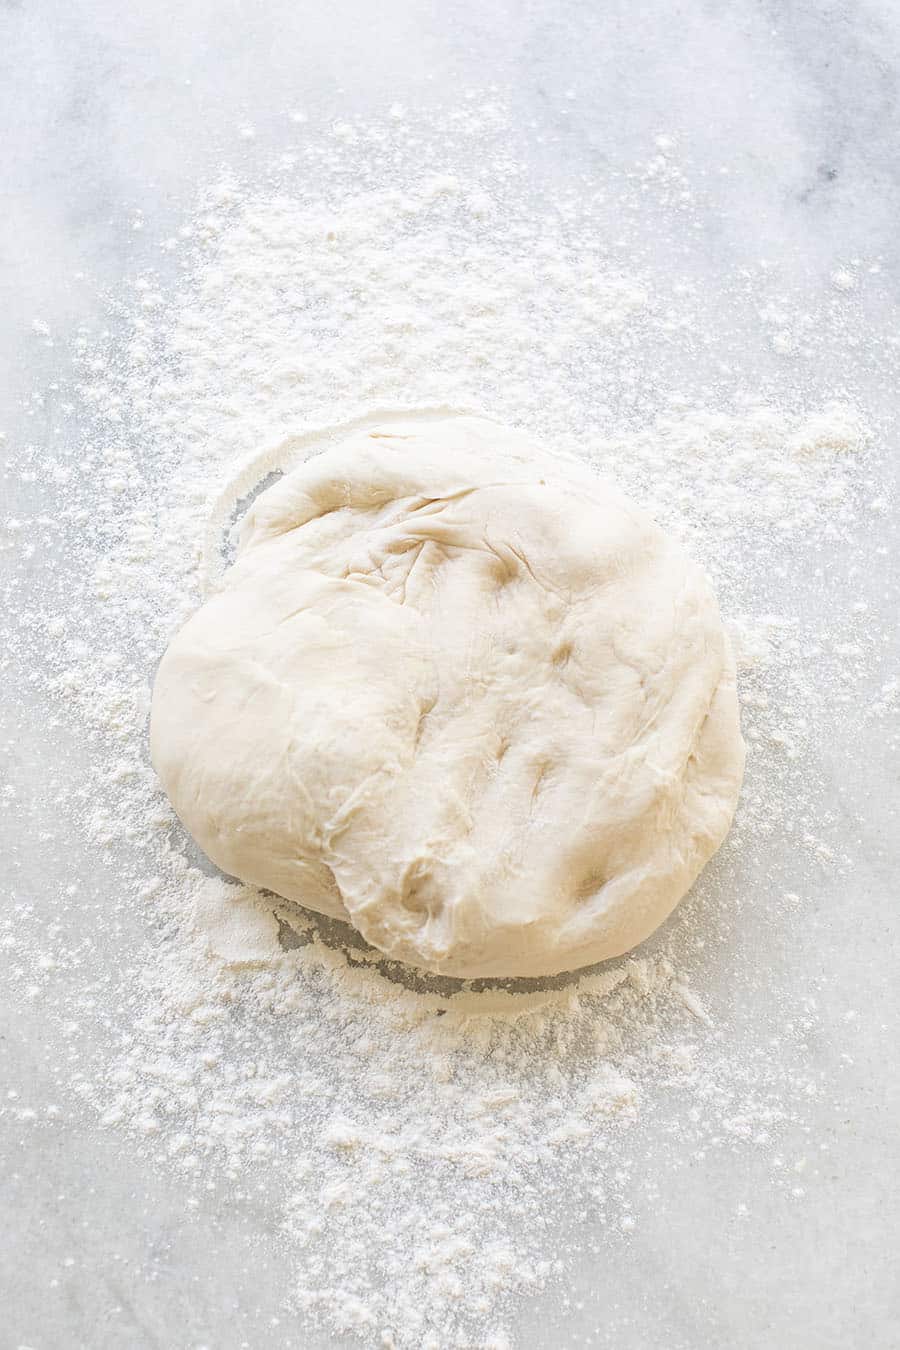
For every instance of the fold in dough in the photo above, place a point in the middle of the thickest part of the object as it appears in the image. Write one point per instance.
(461, 693)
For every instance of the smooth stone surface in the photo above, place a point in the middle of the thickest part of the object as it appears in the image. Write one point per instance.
(110, 111)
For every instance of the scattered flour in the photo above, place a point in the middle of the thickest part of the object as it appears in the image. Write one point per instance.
(423, 1146)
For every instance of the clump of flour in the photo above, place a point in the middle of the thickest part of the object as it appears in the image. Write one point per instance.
(422, 1147)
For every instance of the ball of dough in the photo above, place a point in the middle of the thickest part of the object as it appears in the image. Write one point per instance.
(461, 693)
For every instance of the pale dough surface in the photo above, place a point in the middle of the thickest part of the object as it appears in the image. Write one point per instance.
(462, 693)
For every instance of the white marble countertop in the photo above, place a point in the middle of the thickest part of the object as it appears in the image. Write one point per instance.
(791, 110)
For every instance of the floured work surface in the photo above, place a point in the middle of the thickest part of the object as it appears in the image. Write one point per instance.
(392, 1156)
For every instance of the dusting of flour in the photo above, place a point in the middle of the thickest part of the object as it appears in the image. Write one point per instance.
(422, 1146)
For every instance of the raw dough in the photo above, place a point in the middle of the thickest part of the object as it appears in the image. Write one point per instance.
(462, 693)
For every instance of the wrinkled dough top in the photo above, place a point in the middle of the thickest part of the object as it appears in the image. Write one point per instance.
(463, 693)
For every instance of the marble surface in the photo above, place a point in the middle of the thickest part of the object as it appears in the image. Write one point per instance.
(110, 110)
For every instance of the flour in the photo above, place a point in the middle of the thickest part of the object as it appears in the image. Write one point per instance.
(423, 1148)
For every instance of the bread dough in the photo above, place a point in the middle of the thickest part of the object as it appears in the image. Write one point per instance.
(462, 693)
